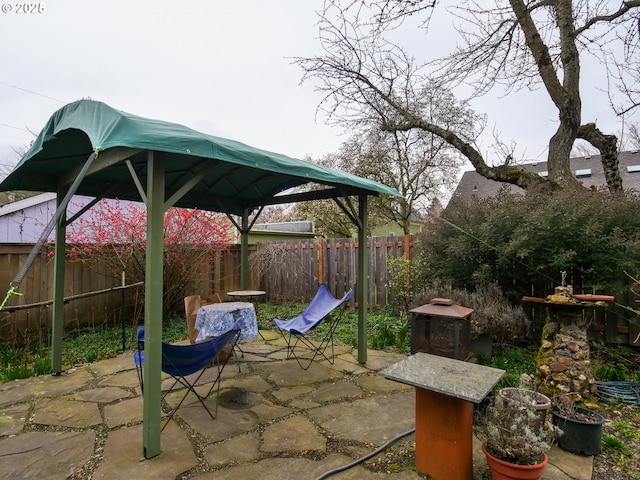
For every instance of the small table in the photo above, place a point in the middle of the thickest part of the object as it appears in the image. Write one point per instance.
(216, 318)
(246, 295)
(446, 390)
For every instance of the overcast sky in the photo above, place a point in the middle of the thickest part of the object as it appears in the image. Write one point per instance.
(220, 67)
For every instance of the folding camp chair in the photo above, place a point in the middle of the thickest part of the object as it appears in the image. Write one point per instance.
(180, 361)
(295, 330)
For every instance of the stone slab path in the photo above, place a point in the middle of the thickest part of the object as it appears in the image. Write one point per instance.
(275, 421)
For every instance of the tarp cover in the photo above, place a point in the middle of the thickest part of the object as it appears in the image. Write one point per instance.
(237, 176)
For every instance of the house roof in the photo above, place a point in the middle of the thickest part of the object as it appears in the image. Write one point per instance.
(587, 169)
(24, 203)
(221, 174)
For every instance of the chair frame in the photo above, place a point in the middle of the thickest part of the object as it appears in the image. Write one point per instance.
(179, 374)
(295, 338)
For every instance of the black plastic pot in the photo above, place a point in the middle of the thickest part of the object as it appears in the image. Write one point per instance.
(579, 437)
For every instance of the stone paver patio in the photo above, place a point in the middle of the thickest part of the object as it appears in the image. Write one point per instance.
(275, 421)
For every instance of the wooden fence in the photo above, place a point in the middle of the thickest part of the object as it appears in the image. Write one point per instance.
(292, 270)
(18, 323)
(286, 270)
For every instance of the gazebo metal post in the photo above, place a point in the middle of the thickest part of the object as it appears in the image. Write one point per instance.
(57, 313)
(151, 416)
(361, 281)
(244, 250)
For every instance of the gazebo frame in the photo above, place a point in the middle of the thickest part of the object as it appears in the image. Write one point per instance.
(92, 149)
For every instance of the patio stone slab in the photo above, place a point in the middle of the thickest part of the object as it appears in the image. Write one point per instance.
(102, 395)
(125, 412)
(67, 413)
(18, 391)
(289, 373)
(228, 422)
(128, 379)
(242, 448)
(116, 364)
(253, 383)
(369, 420)
(347, 363)
(378, 384)
(332, 392)
(304, 404)
(378, 359)
(296, 434)
(287, 394)
(122, 453)
(12, 419)
(51, 455)
(259, 348)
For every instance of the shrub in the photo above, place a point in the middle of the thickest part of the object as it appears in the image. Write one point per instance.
(520, 241)
(115, 232)
(492, 313)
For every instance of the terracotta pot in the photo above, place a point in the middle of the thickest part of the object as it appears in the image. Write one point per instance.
(501, 470)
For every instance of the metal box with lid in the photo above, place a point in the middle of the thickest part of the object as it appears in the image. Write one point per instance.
(441, 327)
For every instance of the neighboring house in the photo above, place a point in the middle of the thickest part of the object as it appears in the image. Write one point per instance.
(305, 230)
(587, 170)
(393, 229)
(279, 231)
(25, 220)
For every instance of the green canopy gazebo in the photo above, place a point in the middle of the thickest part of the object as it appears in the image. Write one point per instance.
(90, 148)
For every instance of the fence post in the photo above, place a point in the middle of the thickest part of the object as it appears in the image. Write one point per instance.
(321, 260)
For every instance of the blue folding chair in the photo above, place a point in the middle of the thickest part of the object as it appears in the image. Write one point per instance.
(296, 330)
(180, 361)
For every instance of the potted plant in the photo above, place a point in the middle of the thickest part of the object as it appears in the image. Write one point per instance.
(537, 402)
(581, 427)
(515, 442)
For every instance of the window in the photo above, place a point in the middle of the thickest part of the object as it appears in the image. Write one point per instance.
(543, 173)
(633, 168)
(586, 172)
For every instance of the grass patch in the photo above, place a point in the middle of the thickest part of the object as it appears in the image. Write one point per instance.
(515, 361)
(614, 443)
(79, 346)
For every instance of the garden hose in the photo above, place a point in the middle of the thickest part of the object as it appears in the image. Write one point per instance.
(625, 392)
(366, 457)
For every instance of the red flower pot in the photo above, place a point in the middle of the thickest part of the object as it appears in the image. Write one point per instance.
(501, 470)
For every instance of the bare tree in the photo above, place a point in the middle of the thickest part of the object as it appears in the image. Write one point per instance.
(514, 44)
(419, 165)
(634, 136)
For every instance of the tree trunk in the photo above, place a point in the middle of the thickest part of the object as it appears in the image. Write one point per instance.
(608, 147)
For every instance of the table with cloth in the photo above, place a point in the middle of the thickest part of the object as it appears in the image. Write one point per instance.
(216, 318)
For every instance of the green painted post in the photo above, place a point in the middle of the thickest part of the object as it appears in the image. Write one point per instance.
(244, 251)
(362, 283)
(151, 416)
(57, 312)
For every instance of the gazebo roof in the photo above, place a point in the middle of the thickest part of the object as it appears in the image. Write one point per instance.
(222, 175)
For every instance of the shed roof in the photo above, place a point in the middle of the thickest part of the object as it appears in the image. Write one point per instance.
(231, 176)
